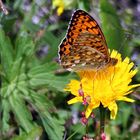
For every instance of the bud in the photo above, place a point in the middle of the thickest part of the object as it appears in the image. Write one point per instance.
(103, 136)
(83, 114)
(84, 120)
(84, 101)
(81, 93)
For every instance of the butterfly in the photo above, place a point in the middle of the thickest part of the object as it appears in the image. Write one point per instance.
(84, 46)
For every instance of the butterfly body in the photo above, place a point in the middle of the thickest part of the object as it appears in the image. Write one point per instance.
(84, 46)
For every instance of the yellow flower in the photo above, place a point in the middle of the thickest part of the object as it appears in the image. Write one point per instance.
(104, 86)
(61, 5)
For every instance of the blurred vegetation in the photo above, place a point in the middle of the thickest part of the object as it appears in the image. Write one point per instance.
(33, 104)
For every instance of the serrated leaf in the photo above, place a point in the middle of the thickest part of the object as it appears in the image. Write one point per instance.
(111, 25)
(6, 115)
(34, 134)
(22, 114)
(54, 129)
(50, 80)
(15, 69)
(15, 80)
(41, 102)
(24, 45)
(23, 88)
(45, 75)
(7, 89)
(22, 84)
(6, 51)
(49, 67)
(53, 126)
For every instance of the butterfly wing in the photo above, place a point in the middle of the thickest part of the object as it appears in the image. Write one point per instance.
(84, 44)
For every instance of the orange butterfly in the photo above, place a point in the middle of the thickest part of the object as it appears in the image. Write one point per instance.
(84, 46)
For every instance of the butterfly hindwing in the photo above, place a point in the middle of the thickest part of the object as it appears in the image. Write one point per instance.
(81, 54)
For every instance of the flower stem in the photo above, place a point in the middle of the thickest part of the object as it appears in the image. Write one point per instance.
(102, 119)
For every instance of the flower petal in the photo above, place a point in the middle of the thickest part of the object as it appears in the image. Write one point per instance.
(126, 99)
(75, 100)
(90, 108)
(105, 85)
(113, 108)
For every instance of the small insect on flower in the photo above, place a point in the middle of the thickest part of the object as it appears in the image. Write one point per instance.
(84, 47)
(104, 78)
(105, 86)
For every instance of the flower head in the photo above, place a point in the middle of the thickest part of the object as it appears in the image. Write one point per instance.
(61, 5)
(105, 86)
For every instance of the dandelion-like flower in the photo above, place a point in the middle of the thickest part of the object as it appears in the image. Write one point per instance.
(104, 86)
(61, 5)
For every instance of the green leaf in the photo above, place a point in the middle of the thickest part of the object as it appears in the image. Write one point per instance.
(53, 126)
(6, 51)
(34, 134)
(84, 4)
(53, 43)
(5, 118)
(8, 85)
(24, 45)
(45, 75)
(22, 114)
(8, 22)
(7, 89)
(125, 112)
(17, 4)
(15, 69)
(23, 84)
(49, 67)
(41, 102)
(50, 80)
(111, 25)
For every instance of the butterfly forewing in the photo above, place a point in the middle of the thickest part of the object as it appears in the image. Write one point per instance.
(84, 44)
